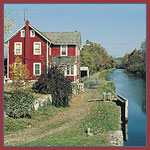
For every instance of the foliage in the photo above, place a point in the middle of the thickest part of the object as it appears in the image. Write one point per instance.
(118, 62)
(19, 104)
(135, 62)
(19, 72)
(8, 23)
(55, 83)
(95, 57)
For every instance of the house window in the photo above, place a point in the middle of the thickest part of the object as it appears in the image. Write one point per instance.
(18, 48)
(22, 33)
(37, 48)
(36, 68)
(32, 33)
(70, 70)
(63, 50)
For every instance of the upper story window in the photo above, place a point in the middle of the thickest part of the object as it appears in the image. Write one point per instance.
(32, 33)
(22, 33)
(63, 50)
(36, 68)
(37, 48)
(18, 48)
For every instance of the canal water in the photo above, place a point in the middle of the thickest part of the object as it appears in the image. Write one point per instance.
(134, 89)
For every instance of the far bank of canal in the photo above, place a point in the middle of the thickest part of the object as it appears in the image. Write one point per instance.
(135, 91)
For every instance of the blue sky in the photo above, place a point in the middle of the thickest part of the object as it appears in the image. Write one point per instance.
(119, 28)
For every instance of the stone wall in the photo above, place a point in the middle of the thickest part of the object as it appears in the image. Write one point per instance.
(40, 101)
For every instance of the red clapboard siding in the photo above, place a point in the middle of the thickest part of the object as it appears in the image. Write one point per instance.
(27, 51)
(55, 50)
(71, 50)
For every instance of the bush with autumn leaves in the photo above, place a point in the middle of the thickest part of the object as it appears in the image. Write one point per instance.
(20, 102)
(19, 73)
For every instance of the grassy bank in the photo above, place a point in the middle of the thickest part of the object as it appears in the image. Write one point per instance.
(44, 113)
(100, 118)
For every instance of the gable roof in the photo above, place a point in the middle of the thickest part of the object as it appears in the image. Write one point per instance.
(58, 38)
(9, 38)
(33, 28)
(62, 38)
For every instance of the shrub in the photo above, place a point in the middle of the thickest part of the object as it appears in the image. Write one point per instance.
(19, 73)
(55, 83)
(19, 104)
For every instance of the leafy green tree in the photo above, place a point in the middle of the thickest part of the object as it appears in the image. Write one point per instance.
(135, 62)
(95, 57)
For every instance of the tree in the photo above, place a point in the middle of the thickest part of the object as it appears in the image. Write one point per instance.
(8, 23)
(135, 62)
(53, 82)
(94, 56)
(19, 72)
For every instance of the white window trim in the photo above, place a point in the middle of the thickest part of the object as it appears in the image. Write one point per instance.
(31, 33)
(15, 48)
(61, 50)
(21, 32)
(34, 69)
(70, 70)
(34, 48)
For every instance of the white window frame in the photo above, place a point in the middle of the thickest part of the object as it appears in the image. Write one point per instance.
(20, 48)
(34, 69)
(34, 48)
(61, 50)
(70, 67)
(32, 35)
(22, 32)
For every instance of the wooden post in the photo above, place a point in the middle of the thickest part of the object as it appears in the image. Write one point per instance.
(126, 131)
(104, 96)
(126, 110)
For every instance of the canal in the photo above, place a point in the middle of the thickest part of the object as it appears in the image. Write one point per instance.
(134, 89)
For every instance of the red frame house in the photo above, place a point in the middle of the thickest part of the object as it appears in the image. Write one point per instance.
(38, 49)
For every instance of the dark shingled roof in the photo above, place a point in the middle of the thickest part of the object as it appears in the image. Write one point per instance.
(65, 60)
(70, 38)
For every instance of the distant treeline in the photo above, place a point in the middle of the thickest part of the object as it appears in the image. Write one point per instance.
(95, 57)
(135, 62)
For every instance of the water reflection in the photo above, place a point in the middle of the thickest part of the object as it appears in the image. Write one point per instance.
(134, 89)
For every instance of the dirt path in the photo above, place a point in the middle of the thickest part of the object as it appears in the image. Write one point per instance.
(79, 109)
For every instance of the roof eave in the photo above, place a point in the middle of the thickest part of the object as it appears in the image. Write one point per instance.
(41, 34)
(9, 38)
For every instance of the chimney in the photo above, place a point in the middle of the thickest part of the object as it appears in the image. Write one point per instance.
(27, 40)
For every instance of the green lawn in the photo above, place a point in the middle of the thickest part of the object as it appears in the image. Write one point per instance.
(42, 114)
(103, 117)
